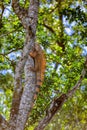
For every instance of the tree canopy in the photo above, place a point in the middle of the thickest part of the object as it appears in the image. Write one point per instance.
(62, 33)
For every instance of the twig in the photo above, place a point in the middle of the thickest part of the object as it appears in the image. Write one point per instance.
(9, 32)
(11, 51)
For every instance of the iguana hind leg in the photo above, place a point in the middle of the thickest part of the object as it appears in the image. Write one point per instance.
(34, 69)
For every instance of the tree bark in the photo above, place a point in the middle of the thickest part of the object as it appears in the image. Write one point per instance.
(27, 96)
(55, 105)
(22, 98)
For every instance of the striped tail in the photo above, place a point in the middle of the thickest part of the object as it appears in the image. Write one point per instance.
(38, 85)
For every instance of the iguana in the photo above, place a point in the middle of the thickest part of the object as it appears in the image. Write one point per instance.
(39, 67)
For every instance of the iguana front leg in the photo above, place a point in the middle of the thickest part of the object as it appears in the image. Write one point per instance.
(33, 54)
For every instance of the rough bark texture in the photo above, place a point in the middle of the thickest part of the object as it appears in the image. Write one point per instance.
(27, 97)
(55, 105)
(29, 21)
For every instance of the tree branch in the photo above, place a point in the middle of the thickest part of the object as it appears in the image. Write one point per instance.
(57, 103)
(51, 11)
(60, 43)
(27, 96)
(9, 32)
(16, 49)
(20, 12)
(2, 8)
(49, 28)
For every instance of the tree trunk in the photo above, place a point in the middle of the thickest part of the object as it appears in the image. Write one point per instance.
(23, 98)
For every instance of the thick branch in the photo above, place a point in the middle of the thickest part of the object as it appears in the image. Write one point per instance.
(27, 96)
(18, 81)
(20, 12)
(57, 103)
(2, 8)
(61, 42)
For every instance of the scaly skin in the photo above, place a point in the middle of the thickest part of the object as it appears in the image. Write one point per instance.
(40, 65)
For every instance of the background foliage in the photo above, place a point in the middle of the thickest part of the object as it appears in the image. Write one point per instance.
(62, 32)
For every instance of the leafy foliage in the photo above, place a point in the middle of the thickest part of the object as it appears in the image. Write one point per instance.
(62, 33)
